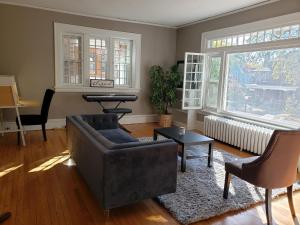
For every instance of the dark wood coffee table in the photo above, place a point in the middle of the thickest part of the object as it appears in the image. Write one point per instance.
(188, 139)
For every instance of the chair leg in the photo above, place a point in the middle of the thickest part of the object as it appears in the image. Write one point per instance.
(268, 200)
(44, 131)
(290, 198)
(226, 185)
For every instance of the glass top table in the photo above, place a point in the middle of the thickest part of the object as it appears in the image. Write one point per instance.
(188, 139)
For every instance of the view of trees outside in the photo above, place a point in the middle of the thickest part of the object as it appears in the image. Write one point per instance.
(213, 83)
(265, 84)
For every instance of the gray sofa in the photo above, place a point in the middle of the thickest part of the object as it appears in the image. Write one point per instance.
(117, 168)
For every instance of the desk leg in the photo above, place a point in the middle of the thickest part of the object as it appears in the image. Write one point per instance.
(21, 127)
(183, 159)
(210, 155)
(154, 135)
(4, 216)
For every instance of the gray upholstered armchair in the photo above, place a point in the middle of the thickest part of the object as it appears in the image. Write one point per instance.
(275, 168)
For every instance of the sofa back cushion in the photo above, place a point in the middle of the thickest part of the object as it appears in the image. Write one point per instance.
(101, 121)
(94, 133)
(138, 144)
(117, 136)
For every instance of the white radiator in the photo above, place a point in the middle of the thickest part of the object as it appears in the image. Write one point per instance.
(246, 136)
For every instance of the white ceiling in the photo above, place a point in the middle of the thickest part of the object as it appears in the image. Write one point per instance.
(172, 13)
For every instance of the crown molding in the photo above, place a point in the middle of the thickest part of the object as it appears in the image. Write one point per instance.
(266, 2)
(141, 22)
(86, 15)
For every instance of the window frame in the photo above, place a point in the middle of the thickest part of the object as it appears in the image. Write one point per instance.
(204, 68)
(286, 20)
(61, 29)
(207, 81)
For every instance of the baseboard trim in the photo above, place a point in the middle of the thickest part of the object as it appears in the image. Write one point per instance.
(51, 124)
(61, 123)
(132, 119)
(179, 124)
(198, 125)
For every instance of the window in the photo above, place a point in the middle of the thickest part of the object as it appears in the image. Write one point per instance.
(193, 80)
(83, 53)
(98, 58)
(213, 74)
(265, 84)
(275, 34)
(72, 59)
(253, 71)
(122, 61)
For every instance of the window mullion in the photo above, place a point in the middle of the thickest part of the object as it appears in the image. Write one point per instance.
(85, 63)
(222, 84)
(111, 58)
(206, 80)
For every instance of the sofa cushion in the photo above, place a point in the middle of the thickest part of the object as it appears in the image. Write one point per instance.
(117, 136)
(101, 121)
(91, 130)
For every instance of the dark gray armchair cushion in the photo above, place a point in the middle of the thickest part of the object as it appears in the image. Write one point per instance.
(117, 136)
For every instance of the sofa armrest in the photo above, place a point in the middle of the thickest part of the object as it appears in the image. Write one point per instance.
(138, 173)
(88, 155)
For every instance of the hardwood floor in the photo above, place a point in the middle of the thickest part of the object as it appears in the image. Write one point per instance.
(39, 188)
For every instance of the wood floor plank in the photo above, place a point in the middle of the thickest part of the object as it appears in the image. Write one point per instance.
(39, 189)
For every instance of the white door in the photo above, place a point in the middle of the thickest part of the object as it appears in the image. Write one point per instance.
(194, 72)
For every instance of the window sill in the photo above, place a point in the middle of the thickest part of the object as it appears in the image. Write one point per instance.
(98, 90)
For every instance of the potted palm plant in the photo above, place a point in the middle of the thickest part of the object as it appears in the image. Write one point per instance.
(163, 95)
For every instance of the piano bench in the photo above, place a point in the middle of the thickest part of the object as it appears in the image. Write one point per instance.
(118, 110)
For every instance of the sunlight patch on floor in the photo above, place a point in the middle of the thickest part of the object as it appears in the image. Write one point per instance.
(7, 171)
(261, 214)
(51, 162)
(157, 219)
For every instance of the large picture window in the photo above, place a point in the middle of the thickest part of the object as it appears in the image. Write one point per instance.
(265, 84)
(253, 71)
(83, 53)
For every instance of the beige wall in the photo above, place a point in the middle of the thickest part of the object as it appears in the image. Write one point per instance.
(189, 38)
(27, 51)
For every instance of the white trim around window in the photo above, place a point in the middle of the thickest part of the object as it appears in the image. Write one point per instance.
(86, 33)
(225, 51)
(262, 25)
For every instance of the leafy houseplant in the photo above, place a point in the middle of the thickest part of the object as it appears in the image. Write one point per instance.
(163, 96)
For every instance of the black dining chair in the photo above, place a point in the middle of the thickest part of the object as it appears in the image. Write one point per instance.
(41, 119)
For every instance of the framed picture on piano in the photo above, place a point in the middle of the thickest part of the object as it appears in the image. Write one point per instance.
(101, 83)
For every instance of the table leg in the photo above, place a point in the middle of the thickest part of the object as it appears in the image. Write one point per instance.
(210, 155)
(4, 216)
(154, 135)
(183, 159)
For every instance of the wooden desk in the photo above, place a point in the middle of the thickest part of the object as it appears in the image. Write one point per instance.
(29, 103)
(21, 104)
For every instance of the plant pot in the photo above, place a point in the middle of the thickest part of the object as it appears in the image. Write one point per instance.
(165, 120)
